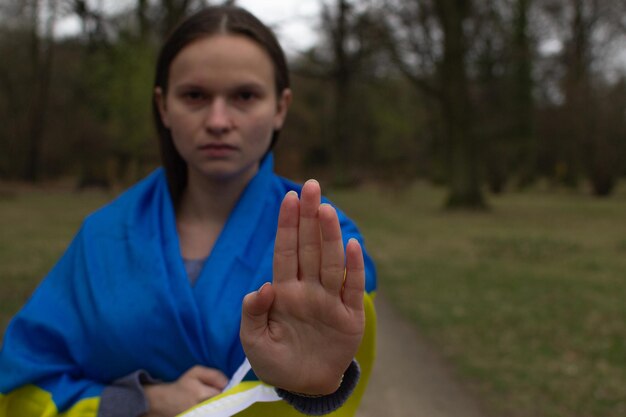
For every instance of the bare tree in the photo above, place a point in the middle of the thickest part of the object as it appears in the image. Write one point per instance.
(522, 85)
(39, 18)
(587, 31)
(430, 44)
(349, 36)
(337, 20)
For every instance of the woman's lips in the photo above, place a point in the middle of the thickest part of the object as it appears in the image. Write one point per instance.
(218, 150)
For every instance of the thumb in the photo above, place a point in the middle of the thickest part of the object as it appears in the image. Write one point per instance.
(255, 310)
(210, 377)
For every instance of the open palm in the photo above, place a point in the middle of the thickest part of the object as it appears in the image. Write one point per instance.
(301, 332)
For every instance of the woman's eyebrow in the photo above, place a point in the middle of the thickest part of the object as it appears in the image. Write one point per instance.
(246, 85)
(189, 85)
(250, 85)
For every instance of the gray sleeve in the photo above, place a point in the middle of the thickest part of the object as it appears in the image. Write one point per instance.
(319, 406)
(125, 397)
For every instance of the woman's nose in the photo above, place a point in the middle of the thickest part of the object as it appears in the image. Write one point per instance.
(218, 120)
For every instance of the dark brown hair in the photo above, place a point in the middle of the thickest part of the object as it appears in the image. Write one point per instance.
(207, 22)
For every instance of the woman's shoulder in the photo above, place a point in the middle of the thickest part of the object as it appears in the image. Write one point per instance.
(132, 207)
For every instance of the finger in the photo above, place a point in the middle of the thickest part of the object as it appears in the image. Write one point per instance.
(354, 284)
(201, 391)
(309, 232)
(254, 314)
(286, 244)
(209, 392)
(211, 377)
(332, 268)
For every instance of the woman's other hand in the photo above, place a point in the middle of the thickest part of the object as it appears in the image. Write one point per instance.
(301, 332)
(194, 386)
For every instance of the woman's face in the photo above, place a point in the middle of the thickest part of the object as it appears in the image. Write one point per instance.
(221, 106)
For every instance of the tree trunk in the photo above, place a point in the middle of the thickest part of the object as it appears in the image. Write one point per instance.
(42, 48)
(342, 80)
(523, 105)
(464, 178)
(142, 19)
(578, 93)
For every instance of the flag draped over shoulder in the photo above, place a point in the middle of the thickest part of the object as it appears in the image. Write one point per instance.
(119, 300)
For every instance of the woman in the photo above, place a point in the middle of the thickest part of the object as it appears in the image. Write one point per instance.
(145, 314)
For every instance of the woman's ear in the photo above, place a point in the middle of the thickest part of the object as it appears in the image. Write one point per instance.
(282, 106)
(159, 98)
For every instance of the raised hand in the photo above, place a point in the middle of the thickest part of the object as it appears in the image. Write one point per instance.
(301, 332)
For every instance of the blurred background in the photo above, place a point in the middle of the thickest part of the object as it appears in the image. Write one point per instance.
(495, 93)
(479, 144)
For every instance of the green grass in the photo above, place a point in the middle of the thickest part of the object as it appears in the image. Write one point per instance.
(35, 228)
(528, 300)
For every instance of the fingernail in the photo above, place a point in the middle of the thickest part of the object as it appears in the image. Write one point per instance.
(292, 192)
(260, 290)
(353, 239)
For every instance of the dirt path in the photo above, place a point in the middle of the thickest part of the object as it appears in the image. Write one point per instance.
(409, 378)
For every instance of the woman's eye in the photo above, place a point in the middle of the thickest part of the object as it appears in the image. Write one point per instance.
(193, 95)
(245, 96)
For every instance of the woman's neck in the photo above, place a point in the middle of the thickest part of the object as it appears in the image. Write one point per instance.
(203, 210)
(208, 199)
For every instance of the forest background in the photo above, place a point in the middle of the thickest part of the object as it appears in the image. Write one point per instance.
(495, 93)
